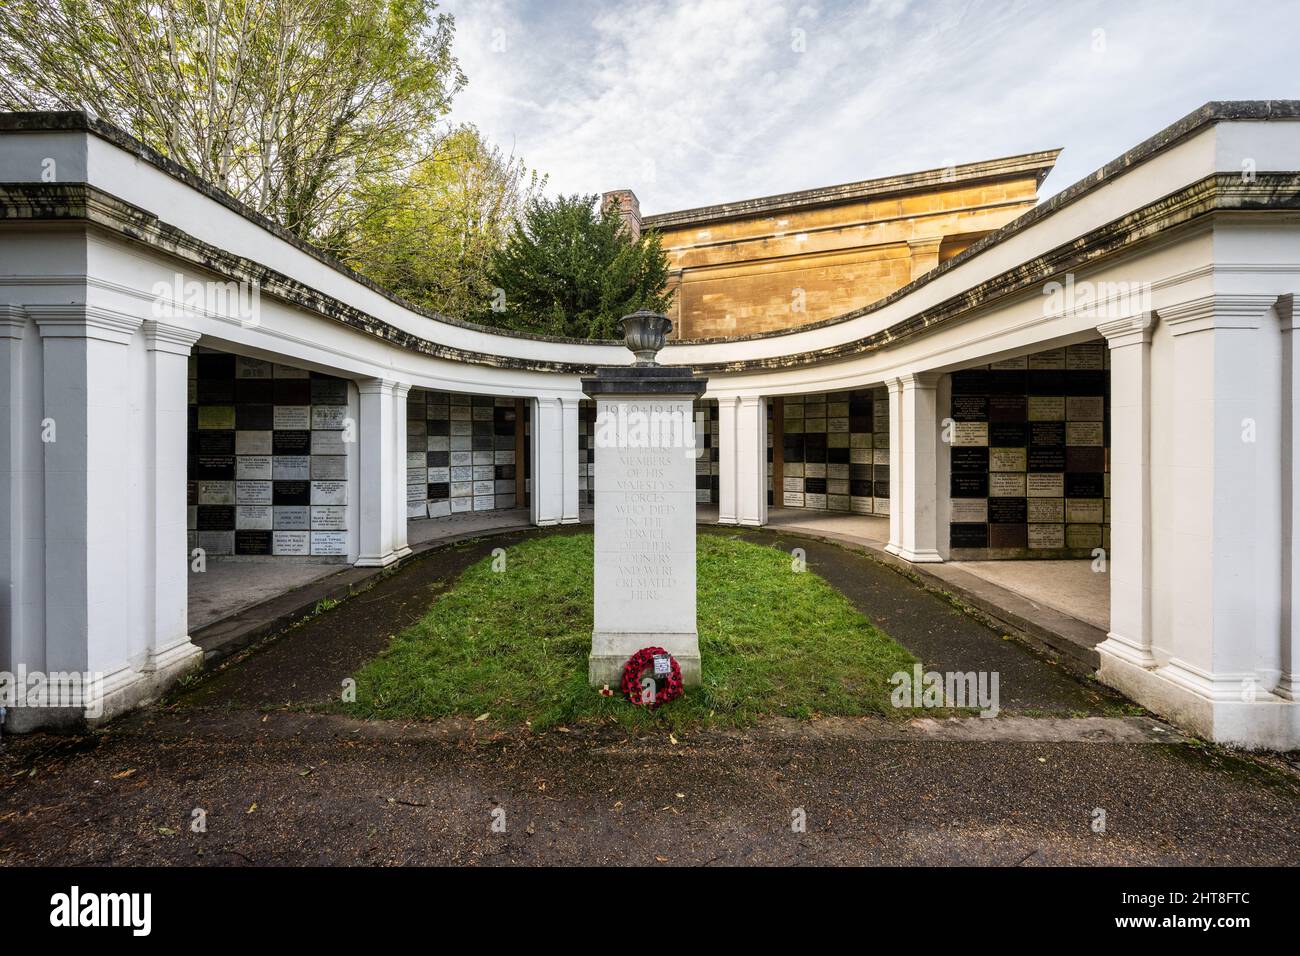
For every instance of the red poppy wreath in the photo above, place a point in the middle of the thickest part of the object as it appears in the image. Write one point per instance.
(636, 667)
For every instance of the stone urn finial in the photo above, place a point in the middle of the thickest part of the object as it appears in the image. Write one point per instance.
(644, 333)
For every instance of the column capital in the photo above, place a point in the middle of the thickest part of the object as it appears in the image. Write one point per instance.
(376, 386)
(84, 322)
(1131, 330)
(1287, 312)
(1216, 311)
(401, 389)
(922, 380)
(166, 337)
(13, 320)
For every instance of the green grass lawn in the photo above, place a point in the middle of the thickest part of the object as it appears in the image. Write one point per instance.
(514, 645)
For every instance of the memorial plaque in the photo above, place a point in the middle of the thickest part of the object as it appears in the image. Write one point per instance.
(252, 492)
(970, 433)
(970, 510)
(329, 466)
(1085, 459)
(254, 417)
(329, 542)
(291, 418)
(291, 543)
(1010, 365)
(291, 442)
(1085, 408)
(215, 391)
(329, 518)
(215, 442)
(291, 467)
(1004, 484)
(291, 517)
(1046, 459)
(1007, 510)
(1008, 535)
(328, 391)
(1083, 536)
(1008, 434)
(215, 518)
(1048, 359)
(1084, 485)
(1045, 510)
(1046, 536)
(1083, 433)
(291, 492)
(329, 492)
(1046, 408)
(970, 459)
(1008, 408)
(289, 372)
(792, 499)
(216, 416)
(966, 485)
(252, 542)
(253, 443)
(328, 443)
(215, 467)
(970, 408)
(216, 493)
(253, 468)
(816, 502)
(1048, 434)
(1086, 356)
(334, 416)
(1007, 459)
(217, 542)
(968, 535)
(1043, 485)
(1084, 511)
(252, 368)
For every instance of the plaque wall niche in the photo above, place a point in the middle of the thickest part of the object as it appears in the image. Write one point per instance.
(461, 453)
(1028, 456)
(835, 451)
(268, 459)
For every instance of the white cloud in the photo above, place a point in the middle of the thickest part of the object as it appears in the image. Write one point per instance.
(694, 103)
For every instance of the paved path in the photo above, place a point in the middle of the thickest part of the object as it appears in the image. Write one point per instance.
(277, 785)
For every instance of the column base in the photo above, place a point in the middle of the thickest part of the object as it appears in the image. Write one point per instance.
(929, 556)
(610, 652)
(401, 553)
(121, 691)
(369, 561)
(1208, 705)
(1126, 650)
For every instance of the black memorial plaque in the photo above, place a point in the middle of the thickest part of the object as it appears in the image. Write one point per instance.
(1085, 485)
(249, 541)
(291, 492)
(1046, 459)
(291, 443)
(1007, 510)
(215, 517)
(969, 485)
(970, 408)
(969, 459)
(968, 535)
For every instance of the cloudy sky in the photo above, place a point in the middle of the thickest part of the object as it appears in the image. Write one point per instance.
(693, 102)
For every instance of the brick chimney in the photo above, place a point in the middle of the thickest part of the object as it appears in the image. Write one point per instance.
(629, 209)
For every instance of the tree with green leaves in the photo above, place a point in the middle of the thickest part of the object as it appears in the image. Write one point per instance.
(429, 235)
(571, 268)
(288, 105)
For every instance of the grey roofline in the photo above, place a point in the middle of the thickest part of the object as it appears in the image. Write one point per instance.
(1040, 163)
(1212, 112)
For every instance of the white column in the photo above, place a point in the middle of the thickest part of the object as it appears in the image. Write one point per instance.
(894, 387)
(379, 461)
(1288, 686)
(1130, 556)
(401, 548)
(569, 494)
(22, 603)
(742, 460)
(88, 508)
(913, 470)
(167, 582)
(554, 467)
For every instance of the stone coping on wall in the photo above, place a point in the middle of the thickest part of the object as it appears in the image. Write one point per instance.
(1266, 191)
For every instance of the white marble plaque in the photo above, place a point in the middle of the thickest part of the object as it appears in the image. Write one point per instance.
(253, 517)
(1084, 511)
(1083, 433)
(1046, 510)
(1045, 485)
(1085, 408)
(328, 443)
(253, 468)
(970, 510)
(329, 492)
(329, 466)
(965, 434)
(216, 493)
(291, 418)
(1046, 408)
(329, 542)
(1007, 459)
(329, 518)
(1006, 485)
(291, 542)
(1046, 536)
(329, 416)
(252, 443)
(292, 517)
(291, 467)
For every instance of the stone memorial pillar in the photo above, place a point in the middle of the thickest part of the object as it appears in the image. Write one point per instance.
(645, 507)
